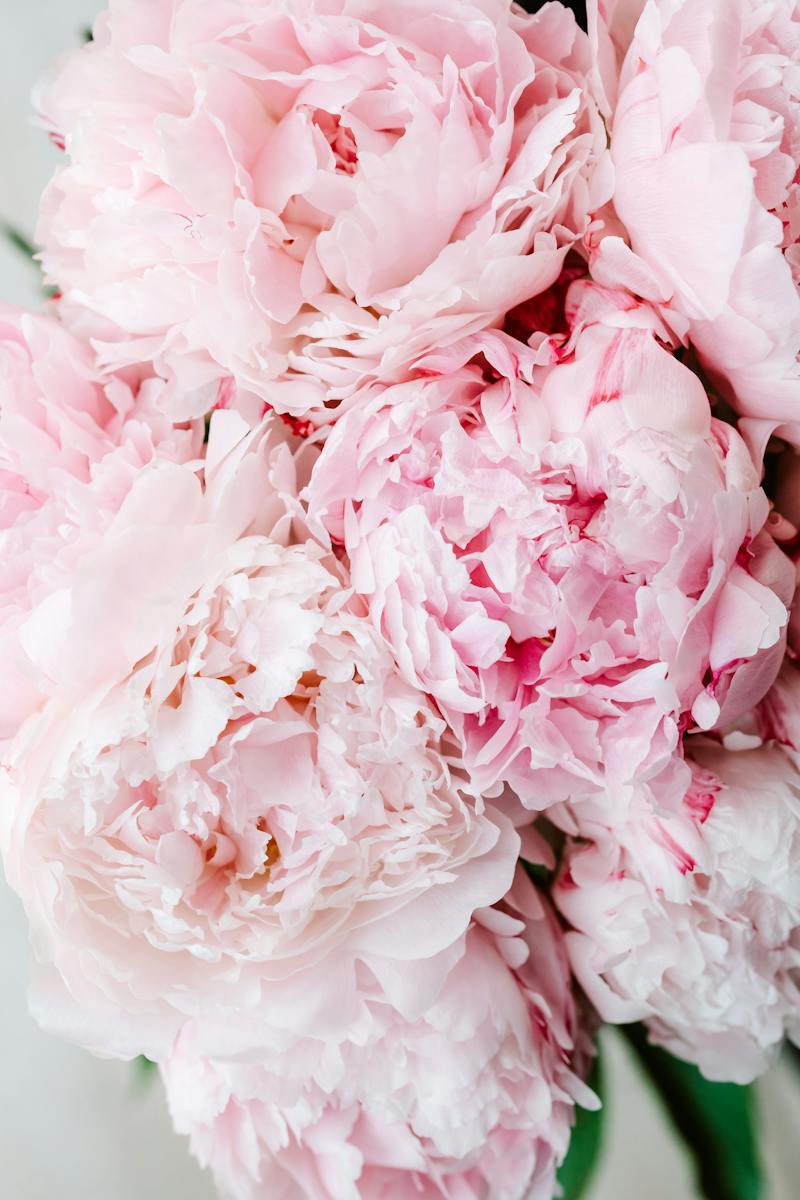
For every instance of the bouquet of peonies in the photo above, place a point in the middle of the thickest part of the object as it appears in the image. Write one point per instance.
(399, 669)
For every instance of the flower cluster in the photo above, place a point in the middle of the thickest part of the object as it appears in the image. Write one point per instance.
(399, 645)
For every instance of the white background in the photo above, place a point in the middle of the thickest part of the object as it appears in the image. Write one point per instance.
(75, 1128)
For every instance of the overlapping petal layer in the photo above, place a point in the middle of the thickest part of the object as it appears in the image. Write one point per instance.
(704, 109)
(225, 791)
(298, 195)
(458, 1080)
(707, 949)
(570, 557)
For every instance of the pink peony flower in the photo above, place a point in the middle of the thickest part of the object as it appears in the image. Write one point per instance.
(227, 793)
(457, 1080)
(70, 452)
(708, 954)
(569, 557)
(705, 139)
(777, 717)
(313, 192)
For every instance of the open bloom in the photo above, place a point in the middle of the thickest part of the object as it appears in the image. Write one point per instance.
(311, 192)
(70, 451)
(226, 779)
(705, 139)
(707, 951)
(457, 1081)
(568, 557)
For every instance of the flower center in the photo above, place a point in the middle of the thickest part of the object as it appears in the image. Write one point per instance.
(340, 138)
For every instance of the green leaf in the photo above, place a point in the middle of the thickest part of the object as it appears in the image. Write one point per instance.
(577, 1169)
(18, 240)
(793, 1054)
(555, 838)
(538, 874)
(144, 1071)
(715, 1120)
